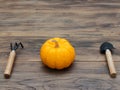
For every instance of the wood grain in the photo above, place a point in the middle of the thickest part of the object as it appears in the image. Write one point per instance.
(85, 23)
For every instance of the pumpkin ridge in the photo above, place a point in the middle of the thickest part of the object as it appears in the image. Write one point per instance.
(70, 52)
(65, 61)
(53, 52)
(47, 55)
(68, 49)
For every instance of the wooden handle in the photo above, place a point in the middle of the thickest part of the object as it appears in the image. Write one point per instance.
(10, 63)
(110, 63)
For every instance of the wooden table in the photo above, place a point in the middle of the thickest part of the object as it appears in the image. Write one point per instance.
(85, 23)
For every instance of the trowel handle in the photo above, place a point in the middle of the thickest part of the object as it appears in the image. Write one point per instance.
(10, 63)
(110, 63)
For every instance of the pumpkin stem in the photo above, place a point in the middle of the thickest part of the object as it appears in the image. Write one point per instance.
(56, 43)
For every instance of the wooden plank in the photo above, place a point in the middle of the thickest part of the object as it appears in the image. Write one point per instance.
(54, 25)
(56, 4)
(93, 18)
(81, 75)
(82, 47)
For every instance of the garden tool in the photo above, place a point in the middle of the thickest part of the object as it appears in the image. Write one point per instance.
(107, 49)
(11, 59)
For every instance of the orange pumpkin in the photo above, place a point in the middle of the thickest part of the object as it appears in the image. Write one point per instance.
(57, 53)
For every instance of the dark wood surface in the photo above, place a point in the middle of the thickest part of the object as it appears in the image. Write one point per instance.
(85, 23)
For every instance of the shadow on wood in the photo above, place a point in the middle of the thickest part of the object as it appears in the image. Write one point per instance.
(57, 72)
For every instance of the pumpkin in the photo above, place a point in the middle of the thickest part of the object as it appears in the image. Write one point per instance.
(57, 53)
